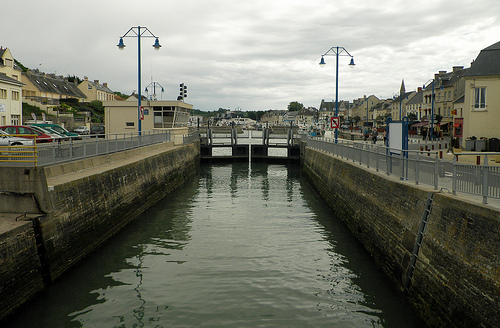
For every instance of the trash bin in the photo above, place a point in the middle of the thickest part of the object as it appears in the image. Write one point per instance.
(481, 144)
(494, 144)
(470, 145)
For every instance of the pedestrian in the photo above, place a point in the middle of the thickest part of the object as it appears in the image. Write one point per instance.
(374, 135)
(424, 133)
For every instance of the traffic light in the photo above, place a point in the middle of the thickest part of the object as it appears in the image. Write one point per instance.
(182, 91)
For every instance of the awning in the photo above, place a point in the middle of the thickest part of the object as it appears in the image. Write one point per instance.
(419, 124)
(457, 125)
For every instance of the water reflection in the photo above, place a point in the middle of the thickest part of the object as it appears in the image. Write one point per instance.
(243, 245)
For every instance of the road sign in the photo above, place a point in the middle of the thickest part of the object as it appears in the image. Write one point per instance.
(335, 122)
(141, 113)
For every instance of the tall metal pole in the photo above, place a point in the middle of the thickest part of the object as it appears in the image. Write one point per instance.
(337, 90)
(139, 79)
(322, 63)
(138, 31)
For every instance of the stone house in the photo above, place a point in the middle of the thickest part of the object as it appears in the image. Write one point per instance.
(93, 90)
(481, 108)
(46, 90)
(11, 107)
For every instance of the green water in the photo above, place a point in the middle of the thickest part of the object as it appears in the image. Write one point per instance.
(240, 245)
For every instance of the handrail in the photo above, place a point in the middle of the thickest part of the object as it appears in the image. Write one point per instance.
(480, 180)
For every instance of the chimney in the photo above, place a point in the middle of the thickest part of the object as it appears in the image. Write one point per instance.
(105, 84)
(96, 81)
(85, 78)
(419, 89)
(457, 68)
(442, 72)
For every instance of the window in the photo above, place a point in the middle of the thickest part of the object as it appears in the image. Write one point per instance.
(15, 119)
(480, 97)
(3, 94)
(15, 95)
(89, 86)
(129, 124)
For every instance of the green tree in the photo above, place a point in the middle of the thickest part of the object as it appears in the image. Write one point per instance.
(412, 117)
(295, 106)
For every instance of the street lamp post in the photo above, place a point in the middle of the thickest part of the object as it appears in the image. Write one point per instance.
(139, 31)
(336, 51)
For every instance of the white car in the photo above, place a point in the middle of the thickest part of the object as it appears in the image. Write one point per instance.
(8, 140)
(82, 130)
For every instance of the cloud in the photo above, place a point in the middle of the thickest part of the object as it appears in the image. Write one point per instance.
(254, 55)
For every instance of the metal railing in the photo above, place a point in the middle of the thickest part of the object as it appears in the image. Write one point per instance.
(417, 165)
(16, 155)
(96, 145)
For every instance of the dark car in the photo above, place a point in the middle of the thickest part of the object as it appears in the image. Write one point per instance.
(97, 129)
(27, 132)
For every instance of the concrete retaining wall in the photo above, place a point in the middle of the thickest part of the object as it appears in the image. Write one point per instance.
(456, 282)
(72, 219)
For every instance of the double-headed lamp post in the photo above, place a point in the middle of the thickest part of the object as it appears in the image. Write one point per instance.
(336, 51)
(139, 31)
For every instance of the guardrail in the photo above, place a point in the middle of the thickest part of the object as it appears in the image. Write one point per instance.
(85, 146)
(13, 155)
(418, 165)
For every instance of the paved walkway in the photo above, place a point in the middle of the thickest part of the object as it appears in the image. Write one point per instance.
(72, 176)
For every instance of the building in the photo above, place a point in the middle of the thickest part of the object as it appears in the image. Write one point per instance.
(47, 90)
(481, 108)
(414, 105)
(11, 107)
(363, 108)
(96, 91)
(122, 116)
(305, 118)
(273, 117)
(382, 111)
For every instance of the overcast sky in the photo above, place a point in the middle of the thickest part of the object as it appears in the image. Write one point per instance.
(252, 55)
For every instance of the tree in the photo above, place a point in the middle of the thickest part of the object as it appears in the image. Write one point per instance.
(295, 106)
(412, 117)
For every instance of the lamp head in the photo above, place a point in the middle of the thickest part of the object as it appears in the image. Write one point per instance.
(351, 64)
(121, 45)
(322, 62)
(157, 45)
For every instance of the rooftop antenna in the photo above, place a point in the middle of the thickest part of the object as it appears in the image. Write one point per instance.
(152, 88)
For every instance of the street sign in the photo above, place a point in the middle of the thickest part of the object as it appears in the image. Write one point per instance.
(335, 122)
(141, 113)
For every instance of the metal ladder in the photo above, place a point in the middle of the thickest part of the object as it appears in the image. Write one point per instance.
(418, 240)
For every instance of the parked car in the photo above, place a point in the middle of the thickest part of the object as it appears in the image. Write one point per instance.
(57, 129)
(97, 129)
(28, 132)
(55, 136)
(82, 130)
(8, 140)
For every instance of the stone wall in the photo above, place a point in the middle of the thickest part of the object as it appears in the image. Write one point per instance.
(456, 282)
(20, 269)
(70, 220)
(88, 211)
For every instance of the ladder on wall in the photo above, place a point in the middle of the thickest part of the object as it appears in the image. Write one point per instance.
(418, 240)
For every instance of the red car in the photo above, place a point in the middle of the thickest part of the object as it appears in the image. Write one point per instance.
(26, 131)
